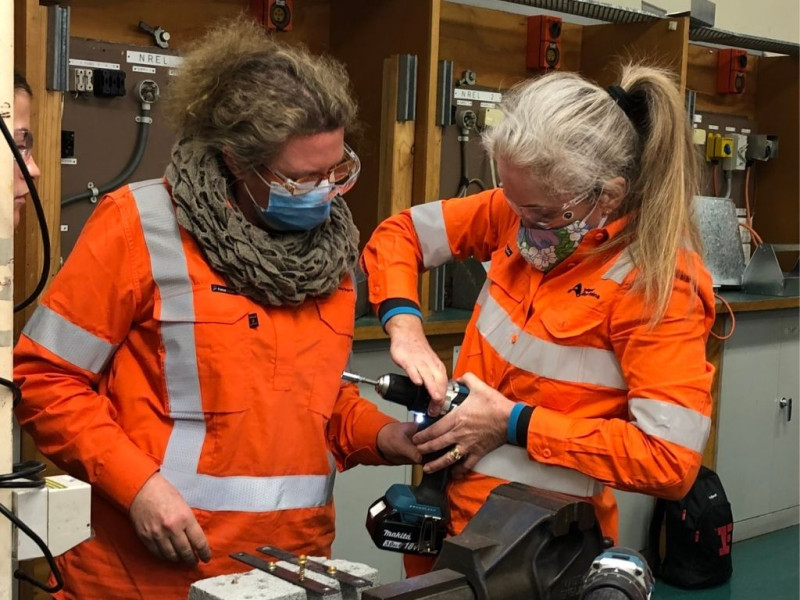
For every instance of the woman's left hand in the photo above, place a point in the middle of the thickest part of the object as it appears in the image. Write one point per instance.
(474, 429)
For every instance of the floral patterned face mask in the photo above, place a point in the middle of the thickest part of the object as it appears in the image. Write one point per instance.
(544, 248)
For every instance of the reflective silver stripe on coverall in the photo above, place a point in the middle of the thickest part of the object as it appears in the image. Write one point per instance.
(205, 492)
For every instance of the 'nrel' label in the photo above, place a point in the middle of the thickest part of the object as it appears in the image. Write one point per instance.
(153, 60)
(479, 95)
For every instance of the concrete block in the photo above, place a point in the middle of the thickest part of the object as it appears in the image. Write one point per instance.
(254, 585)
(258, 585)
(358, 570)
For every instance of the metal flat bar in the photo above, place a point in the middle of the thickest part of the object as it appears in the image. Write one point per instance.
(308, 584)
(739, 40)
(315, 566)
(592, 10)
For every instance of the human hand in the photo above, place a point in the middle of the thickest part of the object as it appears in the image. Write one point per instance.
(410, 350)
(475, 428)
(394, 442)
(166, 524)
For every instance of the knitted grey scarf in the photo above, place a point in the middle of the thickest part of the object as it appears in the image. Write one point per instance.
(272, 268)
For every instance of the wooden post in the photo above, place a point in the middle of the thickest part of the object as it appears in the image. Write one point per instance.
(396, 167)
(30, 60)
(6, 283)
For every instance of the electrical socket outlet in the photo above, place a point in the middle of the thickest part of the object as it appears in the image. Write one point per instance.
(737, 161)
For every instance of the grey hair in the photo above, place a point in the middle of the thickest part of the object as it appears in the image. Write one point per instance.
(572, 137)
(567, 132)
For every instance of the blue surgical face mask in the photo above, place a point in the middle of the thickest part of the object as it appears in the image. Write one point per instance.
(302, 212)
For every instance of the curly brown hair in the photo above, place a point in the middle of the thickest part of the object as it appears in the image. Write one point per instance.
(240, 91)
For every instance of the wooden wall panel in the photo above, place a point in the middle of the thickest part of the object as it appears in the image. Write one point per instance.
(777, 192)
(702, 78)
(396, 170)
(493, 44)
(185, 20)
(363, 34)
(605, 47)
(30, 43)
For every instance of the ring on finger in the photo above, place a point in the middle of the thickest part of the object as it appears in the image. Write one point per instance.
(455, 454)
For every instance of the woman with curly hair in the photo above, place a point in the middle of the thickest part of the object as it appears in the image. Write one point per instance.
(187, 359)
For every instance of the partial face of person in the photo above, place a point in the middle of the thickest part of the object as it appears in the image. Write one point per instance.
(540, 208)
(318, 165)
(24, 141)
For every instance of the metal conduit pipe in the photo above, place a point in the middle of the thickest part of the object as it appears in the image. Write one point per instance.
(148, 92)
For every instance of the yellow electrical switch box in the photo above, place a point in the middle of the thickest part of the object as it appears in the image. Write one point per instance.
(718, 147)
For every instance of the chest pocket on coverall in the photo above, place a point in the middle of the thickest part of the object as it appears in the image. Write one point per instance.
(206, 348)
(570, 329)
(335, 343)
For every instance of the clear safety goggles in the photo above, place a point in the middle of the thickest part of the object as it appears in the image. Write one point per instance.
(564, 215)
(24, 141)
(342, 177)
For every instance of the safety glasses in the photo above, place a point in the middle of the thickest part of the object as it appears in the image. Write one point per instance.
(24, 141)
(342, 176)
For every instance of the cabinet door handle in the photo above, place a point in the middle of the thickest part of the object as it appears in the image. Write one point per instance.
(786, 403)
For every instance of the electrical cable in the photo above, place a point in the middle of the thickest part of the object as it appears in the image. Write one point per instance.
(15, 391)
(18, 574)
(729, 181)
(465, 182)
(493, 172)
(748, 214)
(727, 306)
(714, 170)
(37, 204)
(28, 471)
(133, 163)
(753, 233)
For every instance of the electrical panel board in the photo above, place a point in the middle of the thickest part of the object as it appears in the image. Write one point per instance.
(465, 162)
(100, 127)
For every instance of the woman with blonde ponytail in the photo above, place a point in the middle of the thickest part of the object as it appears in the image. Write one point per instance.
(585, 353)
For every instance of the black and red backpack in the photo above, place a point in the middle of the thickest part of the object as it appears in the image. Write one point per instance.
(699, 534)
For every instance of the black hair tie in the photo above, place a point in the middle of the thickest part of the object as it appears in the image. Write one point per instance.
(634, 105)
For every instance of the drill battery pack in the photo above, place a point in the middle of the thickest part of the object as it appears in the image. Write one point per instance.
(408, 519)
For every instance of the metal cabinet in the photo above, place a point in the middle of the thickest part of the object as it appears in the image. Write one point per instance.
(758, 453)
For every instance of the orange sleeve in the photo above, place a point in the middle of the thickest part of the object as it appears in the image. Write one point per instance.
(93, 299)
(393, 256)
(669, 383)
(353, 430)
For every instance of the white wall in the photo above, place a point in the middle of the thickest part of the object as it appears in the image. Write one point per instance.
(774, 19)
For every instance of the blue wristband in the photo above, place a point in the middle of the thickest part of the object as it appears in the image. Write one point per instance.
(399, 310)
(511, 430)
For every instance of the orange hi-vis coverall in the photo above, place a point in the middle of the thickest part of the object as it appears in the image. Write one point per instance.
(140, 359)
(618, 404)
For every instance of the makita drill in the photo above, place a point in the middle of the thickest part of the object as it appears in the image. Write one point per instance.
(412, 518)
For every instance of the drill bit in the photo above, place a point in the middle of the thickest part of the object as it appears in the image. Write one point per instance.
(357, 378)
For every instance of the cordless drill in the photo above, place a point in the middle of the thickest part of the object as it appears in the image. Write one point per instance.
(401, 390)
(412, 518)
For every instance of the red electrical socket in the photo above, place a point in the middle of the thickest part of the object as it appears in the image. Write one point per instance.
(544, 42)
(731, 66)
(273, 14)
(280, 14)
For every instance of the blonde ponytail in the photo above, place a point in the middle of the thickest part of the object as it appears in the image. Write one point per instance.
(661, 192)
